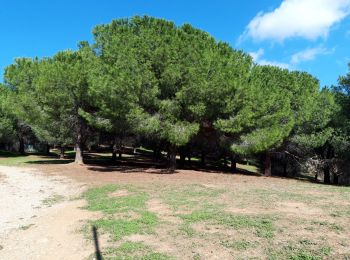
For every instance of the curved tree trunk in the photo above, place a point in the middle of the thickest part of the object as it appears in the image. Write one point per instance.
(267, 171)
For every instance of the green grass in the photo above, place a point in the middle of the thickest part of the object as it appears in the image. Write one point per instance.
(279, 195)
(118, 228)
(263, 226)
(122, 225)
(250, 168)
(331, 226)
(300, 251)
(239, 245)
(187, 230)
(132, 251)
(126, 213)
(192, 196)
(16, 160)
(13, 159)
(100, 199)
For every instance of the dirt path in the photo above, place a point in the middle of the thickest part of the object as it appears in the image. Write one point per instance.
(38, 218)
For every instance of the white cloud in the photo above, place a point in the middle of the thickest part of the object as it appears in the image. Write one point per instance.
(308, 19)
(309, 54)
(257, 57)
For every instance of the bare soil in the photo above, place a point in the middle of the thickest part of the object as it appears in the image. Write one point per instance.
(32, 230)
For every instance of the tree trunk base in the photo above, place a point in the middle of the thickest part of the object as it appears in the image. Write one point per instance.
(172, 159)
(233, 164)
(79, 154)
(267, 171)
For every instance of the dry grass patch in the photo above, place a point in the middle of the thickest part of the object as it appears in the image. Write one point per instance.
(212, 219)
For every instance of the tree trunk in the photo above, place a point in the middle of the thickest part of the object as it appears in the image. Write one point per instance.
(21, 146)
(233, 164)
(316, 176)
(225, 162)
(285, 168)
(182, 153)
(61, 152)
(155, 152)
(327, 174)
(80, 141)
(114, 152)
(203, 159)
(267, 171)
(79, 153)
(189, 157)
(329, 152)
(47, 149)
(172, 158)
(335, 179)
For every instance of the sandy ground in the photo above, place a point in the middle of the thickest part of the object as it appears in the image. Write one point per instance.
(39, 219)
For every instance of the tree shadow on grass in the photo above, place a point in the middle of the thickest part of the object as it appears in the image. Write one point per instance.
(147, 165)
(7, 154)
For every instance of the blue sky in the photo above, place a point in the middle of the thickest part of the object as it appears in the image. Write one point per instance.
(310, 35)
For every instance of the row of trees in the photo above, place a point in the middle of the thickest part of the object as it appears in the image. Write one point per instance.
(178, 89)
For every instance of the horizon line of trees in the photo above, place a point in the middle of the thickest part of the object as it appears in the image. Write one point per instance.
(181, 91)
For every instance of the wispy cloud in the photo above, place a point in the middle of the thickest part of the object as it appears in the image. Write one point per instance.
(309, 54)
(309, 19)
(299, 57)
(257, 57)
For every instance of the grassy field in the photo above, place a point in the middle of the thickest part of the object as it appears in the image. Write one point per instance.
(196, 221)
(206, 215)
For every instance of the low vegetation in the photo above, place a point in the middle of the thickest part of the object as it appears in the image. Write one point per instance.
(198, 221)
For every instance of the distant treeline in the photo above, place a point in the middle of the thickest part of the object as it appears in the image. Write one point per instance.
(176, 89)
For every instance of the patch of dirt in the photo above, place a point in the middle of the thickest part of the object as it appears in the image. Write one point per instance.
(152, 241)
(245, 211)
(130, 215)
(2, 178)
(214, 229)
(299, 209)
(29, 229)
(162, 211)
(53, 235)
